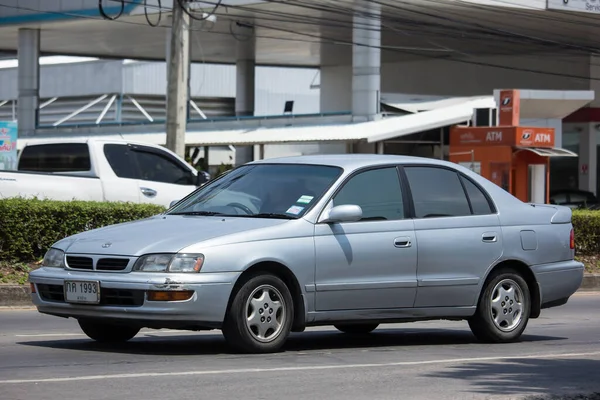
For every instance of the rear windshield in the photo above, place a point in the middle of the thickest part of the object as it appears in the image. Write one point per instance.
(56, 157)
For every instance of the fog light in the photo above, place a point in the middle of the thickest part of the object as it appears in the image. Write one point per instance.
(171, 295)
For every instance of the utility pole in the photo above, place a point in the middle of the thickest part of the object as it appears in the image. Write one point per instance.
(177, 84)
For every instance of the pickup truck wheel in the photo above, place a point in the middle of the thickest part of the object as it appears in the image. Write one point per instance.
(504, 308)
(356, 329)
(107, 333)
(260, 317)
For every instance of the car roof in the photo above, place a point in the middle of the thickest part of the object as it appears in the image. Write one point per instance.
(352, 161)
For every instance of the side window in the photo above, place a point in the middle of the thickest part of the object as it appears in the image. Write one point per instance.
(479, 202)
(56, 157)
(376, 191)
(437, 192)
(154, 167)
(120, 160)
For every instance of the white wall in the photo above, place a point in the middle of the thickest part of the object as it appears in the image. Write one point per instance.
(441, 77)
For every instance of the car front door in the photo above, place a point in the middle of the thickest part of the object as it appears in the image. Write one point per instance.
(371, 263)
(162, 178)
(458, 232)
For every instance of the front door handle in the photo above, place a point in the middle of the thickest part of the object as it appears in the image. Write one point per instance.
(489, 237)
(403, 241)
(148, 192)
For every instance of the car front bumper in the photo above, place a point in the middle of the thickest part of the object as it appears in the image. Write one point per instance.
(558, 281)
(124, 297)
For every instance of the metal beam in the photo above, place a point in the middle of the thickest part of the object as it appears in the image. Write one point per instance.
(105, 110)
(80, 110)
(139, 107)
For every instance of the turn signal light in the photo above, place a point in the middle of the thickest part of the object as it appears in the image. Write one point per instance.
(170, 295)
(32, 286)
(572, 239)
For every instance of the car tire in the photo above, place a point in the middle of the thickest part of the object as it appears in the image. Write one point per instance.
(253, 327)
(356, 329)
(503, 309)
(107, 333)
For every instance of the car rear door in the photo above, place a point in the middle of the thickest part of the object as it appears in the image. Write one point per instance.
(458, 235)
(371, 263)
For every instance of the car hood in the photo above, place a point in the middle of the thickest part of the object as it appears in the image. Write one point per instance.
(160, 234)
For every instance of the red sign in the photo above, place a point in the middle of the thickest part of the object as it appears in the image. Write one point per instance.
(584, 169)
(509, 108)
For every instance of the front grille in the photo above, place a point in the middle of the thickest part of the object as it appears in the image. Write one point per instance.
(112, 264)
(80, 262)
(97, 263)
(108, 296)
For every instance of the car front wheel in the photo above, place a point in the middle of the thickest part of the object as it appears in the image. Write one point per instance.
(504, 308)
(107, 333)
(260, 317)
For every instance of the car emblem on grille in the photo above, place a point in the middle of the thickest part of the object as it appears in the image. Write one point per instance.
(106, 245)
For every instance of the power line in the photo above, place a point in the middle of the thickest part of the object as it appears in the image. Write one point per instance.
(323, 39)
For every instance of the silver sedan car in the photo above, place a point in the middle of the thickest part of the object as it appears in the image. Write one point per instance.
(352, 241)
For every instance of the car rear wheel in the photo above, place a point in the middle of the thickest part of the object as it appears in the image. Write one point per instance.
(260, 317)
(108, 333)
(504, 308)
(356, 329)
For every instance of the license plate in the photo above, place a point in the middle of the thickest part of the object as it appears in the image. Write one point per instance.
(87, 292)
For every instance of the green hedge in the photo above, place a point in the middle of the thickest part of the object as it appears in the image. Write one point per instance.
(587, 232)
(29, 227)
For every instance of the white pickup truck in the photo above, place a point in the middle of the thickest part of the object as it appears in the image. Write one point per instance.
(100, 170)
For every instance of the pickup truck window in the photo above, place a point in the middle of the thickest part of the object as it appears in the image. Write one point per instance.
(121, 160)
(55, 157)
(145, 165)
(154, 167)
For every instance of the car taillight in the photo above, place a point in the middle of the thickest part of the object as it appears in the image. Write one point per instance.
(572, 239)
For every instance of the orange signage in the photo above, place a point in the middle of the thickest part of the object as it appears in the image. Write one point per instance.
(509, 109)
(502, 136)
(535, 137)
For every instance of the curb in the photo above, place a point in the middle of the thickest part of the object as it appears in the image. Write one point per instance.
(20, 295)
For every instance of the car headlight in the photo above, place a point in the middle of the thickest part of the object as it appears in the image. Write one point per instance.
(176, 263)
(54, 258)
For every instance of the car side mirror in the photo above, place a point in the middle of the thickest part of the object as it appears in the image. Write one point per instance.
(173, 203)
(343, 213)
(200, 179)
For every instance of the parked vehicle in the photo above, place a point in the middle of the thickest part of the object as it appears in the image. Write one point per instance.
(575, 199)
(100, 170)
(352, 241)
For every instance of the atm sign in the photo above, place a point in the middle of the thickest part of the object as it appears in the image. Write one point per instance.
(536, 137)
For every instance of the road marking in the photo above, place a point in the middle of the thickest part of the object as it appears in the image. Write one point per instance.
(146, 333)
(49, 334)
(302, 368)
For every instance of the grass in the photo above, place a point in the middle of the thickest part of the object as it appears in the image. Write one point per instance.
(15, 273)
(592, 263)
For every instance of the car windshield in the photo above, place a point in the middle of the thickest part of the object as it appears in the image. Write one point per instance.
(284, 191)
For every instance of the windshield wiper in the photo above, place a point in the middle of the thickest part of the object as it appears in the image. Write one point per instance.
(268, 215)
(198, 213)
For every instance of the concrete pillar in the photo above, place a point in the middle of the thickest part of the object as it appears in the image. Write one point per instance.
(588, 157)
(366, 64)
(28, 81)
(245, 86)
(245, 76)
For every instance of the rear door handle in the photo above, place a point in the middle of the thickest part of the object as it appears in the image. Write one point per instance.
(489, 237)
(148, 192)
(403, 241)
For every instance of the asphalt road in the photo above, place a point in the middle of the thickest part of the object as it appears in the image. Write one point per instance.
(43, 357)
